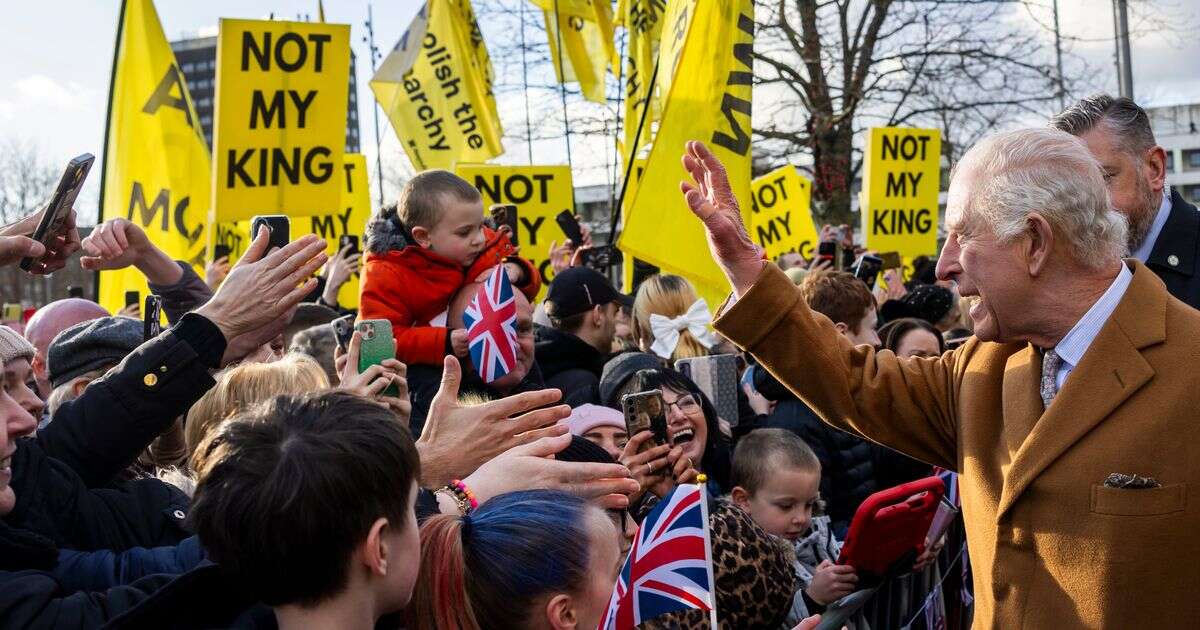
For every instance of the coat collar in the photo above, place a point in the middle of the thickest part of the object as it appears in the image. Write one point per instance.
(1179, 238)
(1109, 373)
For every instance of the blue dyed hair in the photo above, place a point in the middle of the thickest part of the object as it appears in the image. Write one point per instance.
(486, 571)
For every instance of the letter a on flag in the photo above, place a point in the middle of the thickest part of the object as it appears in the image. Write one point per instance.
(157, 169)
(436, 88)
(704, 68)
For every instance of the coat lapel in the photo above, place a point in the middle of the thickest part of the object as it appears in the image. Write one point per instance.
(1022, 400)
(1110, 372)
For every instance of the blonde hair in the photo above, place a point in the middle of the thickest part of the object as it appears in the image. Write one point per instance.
(669, 296)
(244, 386)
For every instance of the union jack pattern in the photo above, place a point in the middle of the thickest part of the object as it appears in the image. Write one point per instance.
(669, 567)
(491, 321)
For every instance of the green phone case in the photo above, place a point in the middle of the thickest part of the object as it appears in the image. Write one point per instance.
(376, 346)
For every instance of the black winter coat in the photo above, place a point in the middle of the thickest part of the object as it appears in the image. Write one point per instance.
(569, 364)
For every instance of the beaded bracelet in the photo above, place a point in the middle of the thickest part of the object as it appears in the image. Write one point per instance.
(462, 495)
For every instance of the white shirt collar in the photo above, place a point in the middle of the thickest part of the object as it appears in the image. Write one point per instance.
(1164, 210)
(1075, 344)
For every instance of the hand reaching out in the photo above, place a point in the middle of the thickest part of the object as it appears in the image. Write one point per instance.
(215, 272)
(711, 199)
(15, 243)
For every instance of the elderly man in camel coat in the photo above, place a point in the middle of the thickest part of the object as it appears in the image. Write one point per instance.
(1073, 416)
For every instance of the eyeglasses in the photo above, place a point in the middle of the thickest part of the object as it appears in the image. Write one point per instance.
(687, 404)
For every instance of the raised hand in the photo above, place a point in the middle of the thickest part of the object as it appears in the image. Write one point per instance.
(120, 243)
(15, 243)
(710, 198)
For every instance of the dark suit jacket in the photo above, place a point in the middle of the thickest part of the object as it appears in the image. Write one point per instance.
(1177, 251)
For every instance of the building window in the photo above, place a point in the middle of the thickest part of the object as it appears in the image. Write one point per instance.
(187, 68)
(1170, 161)
(1191, 160)
(1192, 193)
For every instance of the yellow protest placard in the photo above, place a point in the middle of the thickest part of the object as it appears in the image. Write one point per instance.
(436, 89)
(539, 192)
(156, 169)
(900, 190)
(350, 219)
(781, 213)
(705, 67)
(280, 117)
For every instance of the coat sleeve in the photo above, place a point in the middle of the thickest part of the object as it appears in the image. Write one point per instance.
(33, 599)
(117, 416)
(905, 404)
(379, 298)
(189, 294)
(104, 569)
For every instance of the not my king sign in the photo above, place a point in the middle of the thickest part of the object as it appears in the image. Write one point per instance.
(900, 190)
(280, 127)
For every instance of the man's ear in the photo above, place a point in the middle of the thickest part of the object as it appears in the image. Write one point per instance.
(1041, 243)
(598, 315)
(1156, 167)
(560, 612)
(79, 385)
(38, 365)
(842, 328)
(374, 549)
(421, 235)
(740, 498)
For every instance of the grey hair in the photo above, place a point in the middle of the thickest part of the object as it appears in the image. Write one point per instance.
(1049, 172)
(1119, 115)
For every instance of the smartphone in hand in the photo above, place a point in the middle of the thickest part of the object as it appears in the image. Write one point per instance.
(645, 411)
(351, 241)
(61, 203)
(601, 257)
(343, 330)
(279, 225)
(569, 224)
(506, 214)
(377, 346)
(867, 269)
(151, 322)
(132, 298)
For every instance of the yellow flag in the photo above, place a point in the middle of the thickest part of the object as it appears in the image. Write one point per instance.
(348, 219)
(540, 193)
(435, 86)
(899, 201)
(586, 32)
(643, 19)
(705, 62)
(156, 164)
(280, 121)
(781, 213)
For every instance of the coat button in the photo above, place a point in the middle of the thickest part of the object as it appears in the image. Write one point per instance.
(179, 514)
(150, 380)
(1173, 260)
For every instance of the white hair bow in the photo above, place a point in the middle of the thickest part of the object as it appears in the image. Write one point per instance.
(666, 329)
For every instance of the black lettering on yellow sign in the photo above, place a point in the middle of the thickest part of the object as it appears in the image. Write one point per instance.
(229, 237)
(887, 221)
(260, 109)
(439, 59)
(290, 51)
(903, 147)
(165, 95)
(769, 195)
(739, 141)
(770, 233)
(324, 227)
(516, 189)
(902, 184)
(532, 227)
(264, 166)
(146, 213)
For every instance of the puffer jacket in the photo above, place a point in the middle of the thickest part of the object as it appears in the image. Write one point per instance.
(569, 364)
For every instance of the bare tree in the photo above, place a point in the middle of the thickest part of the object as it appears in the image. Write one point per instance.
(26, 179)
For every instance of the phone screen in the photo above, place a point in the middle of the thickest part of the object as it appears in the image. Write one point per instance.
(506, 214)
(645, 411)
(867, 269)
(132, 297)
(151, 324)
(221, 251)
(343, 330)
(351, 240)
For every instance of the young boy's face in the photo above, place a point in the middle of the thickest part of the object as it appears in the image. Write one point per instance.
(784, 504)
(458, 235)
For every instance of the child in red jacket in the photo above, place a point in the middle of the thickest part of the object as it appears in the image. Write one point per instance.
(420, 252)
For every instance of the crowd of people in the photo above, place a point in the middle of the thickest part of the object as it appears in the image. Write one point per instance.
(239, 469)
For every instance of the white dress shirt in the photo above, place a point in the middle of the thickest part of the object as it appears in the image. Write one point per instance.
(1164, 210)
(1080, 338)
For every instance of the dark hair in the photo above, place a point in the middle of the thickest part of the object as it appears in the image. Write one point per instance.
(1121, 115)
(570, 323)
(839, 296)
(716, 459)
(487, 569)
(893, 333)
(764, 451)
(292, 486)
(422, 197)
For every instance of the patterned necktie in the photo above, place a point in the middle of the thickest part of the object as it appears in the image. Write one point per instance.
(1050, 364)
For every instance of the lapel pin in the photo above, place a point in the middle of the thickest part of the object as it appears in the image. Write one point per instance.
(1173, 260)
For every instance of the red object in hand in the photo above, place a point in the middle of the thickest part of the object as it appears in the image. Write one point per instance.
(889, 524)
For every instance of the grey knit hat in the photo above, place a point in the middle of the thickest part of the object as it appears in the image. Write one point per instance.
(14, 346)
(92, 345)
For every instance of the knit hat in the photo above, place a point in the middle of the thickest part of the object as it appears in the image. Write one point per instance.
(619, 370)
(929, 302)
(13, 346)
(584, 418)
(94, 345)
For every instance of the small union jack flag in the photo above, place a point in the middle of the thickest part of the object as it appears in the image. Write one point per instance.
(491, 321)
(669, 567)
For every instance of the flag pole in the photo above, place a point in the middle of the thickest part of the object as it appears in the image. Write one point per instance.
(525, 82)
(616, 210)
(112, 82)
(374, 52)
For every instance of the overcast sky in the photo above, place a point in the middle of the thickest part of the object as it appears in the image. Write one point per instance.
(58, 54)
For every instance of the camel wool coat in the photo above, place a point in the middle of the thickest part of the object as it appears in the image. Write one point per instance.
(1050, 544)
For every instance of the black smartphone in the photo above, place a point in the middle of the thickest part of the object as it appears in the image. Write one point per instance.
(74, 291)
(61, 203)
(827, 251)
(132, 297)
(601, 257)
(867, 269)
(220, 251)
(891, 260)
(569, 224)
(350, 240)
(645, 411)
(151, 325)
(505, 214)
(280, 228)
(343, 330)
